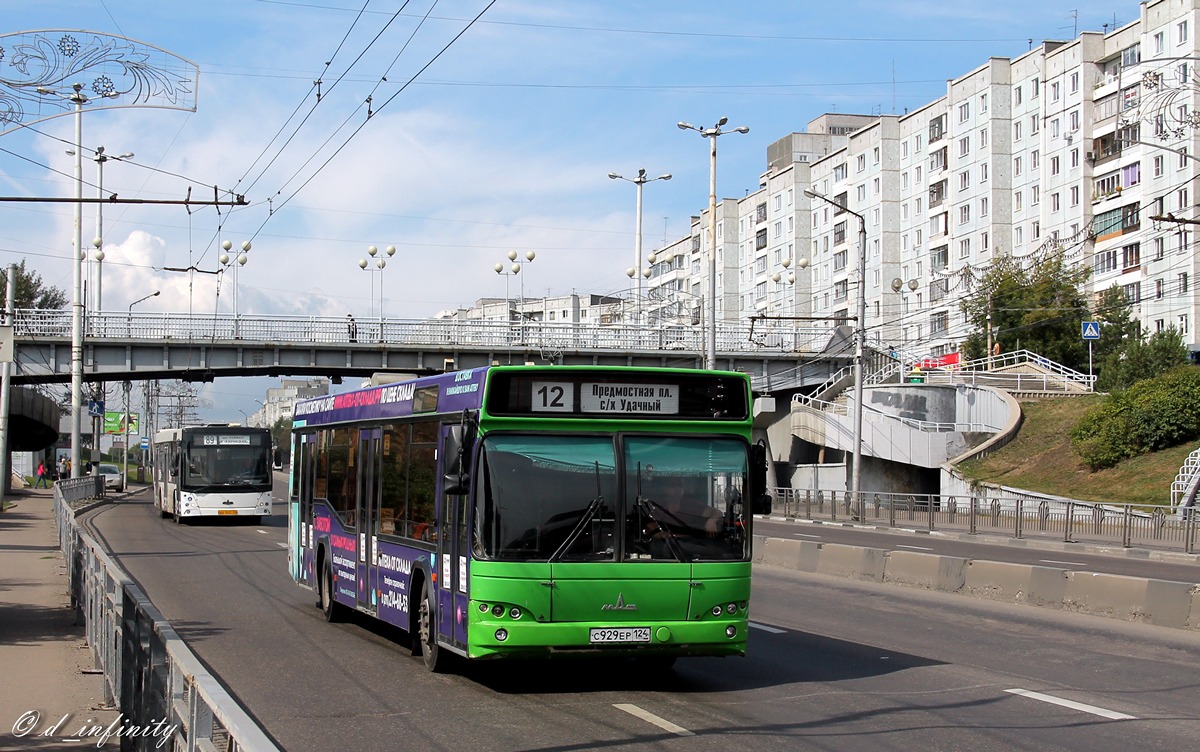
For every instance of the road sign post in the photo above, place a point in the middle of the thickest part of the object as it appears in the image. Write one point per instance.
(1090, 330)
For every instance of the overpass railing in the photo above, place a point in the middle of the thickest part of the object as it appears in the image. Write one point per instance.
(495, 335)
(1016, 516)
(149, 672)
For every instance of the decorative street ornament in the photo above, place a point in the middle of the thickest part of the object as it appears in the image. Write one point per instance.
(114, 71)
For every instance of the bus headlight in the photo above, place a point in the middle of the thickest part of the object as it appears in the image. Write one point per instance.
(731, 631)
(501, 635)
(497, 610)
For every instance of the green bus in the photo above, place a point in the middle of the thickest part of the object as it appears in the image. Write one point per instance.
(526, 511)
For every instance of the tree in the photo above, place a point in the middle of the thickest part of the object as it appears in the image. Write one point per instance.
(31, 292)
(1038, 309)
(281, 437)
(1140, 359)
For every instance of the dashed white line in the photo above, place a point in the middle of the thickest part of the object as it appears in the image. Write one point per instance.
(765, 628)
(1068, 563)
(261, 531)
(649, 717)
(805, 535)
(1102, 712)
(916, 548)
(281, 545)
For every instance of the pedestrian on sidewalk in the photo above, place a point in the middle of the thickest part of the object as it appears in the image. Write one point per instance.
(42, 480)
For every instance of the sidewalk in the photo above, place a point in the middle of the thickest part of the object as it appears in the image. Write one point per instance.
(43, 653)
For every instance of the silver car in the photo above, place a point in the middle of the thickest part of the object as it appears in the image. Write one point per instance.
(114, 479)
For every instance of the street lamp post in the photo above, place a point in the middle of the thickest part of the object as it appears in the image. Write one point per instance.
(710, 355)
(380, 265)
(129, 320)
(77, 98)
(98, 241)
(860, 344)
(226, 261)
(639, 181)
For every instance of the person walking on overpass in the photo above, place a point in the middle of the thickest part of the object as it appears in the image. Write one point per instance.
(42, 480)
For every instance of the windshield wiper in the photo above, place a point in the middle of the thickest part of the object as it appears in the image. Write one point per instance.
(593, 507)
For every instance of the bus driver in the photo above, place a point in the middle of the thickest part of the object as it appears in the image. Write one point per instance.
(683, 512)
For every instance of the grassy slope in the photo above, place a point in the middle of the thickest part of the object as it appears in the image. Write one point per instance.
(1040, 459)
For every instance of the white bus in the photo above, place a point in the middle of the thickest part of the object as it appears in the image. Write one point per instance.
(213, 470)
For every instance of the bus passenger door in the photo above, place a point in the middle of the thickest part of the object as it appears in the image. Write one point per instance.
(367, 511)
(453, 554)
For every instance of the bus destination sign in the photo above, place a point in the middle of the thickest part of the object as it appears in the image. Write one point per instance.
(606, 398)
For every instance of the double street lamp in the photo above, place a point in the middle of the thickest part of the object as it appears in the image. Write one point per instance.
(860, 344)
(639, 181)
(710, 354)
(98, 241)
(380, 265)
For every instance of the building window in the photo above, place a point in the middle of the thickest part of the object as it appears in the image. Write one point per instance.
(1183, 282)
(1181, 32)
(1105, 261)
(964, 214)
(1158, 43)
(1054, 91)
(964, 112)
(964, 146)
(1074, 82)
(964, 180)
(1158, 166)
(1016, 166)
(839, 172)
(1158, 289)
(964, 248)
(1159, 248)
(983, 102)
(983, 138)
(760, 239)
(1054, 206)
(1053, 165)
(983, 172)
(1074, 195)
(983, 206)
(1131, 256)
(1131, 174)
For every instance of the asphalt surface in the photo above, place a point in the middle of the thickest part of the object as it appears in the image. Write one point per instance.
(833, 664)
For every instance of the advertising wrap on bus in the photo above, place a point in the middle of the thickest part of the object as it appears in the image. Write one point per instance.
(518, 511)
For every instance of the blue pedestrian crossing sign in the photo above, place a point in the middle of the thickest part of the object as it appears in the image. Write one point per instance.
(1091, 330)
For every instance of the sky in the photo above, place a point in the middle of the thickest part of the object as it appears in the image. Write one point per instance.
(493, 127)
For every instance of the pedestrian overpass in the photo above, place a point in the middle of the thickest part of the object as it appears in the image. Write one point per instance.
(200, 347)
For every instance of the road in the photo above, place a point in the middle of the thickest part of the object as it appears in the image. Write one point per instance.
(1077, 558)
(834, 665)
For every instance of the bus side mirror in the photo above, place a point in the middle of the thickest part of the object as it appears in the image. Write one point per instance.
(760, 499)
(456, 451)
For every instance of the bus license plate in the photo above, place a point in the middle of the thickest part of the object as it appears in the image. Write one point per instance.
(226, 511)
(619, 634)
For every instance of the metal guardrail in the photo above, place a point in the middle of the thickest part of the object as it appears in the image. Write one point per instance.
(300, 330)
(838, 408)
(1184, 487)
(1122, 524)
(149, 672)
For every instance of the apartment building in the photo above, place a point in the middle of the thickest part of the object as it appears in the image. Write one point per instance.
(1072, 148)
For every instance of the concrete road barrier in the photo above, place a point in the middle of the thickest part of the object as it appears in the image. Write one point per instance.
(856, 562)
(929, 571)
(1158, 602)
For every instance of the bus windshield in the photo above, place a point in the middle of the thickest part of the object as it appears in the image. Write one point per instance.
(210, 467)
(566, 498)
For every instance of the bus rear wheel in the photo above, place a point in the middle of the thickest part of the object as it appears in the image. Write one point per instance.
(431, 655)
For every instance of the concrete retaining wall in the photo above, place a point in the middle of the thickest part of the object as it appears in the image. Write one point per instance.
(1158, 602)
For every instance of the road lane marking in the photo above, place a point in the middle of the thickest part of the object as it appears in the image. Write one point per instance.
(1069, 563)
(916, 548)
(649, 717)
(1102, 712)
(805, 535)
(765, 628)
(281, 545)
(261, 531)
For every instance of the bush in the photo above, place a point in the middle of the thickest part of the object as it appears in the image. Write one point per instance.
(1151, 415)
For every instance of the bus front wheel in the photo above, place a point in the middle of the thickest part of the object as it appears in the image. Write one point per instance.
(430, 654)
